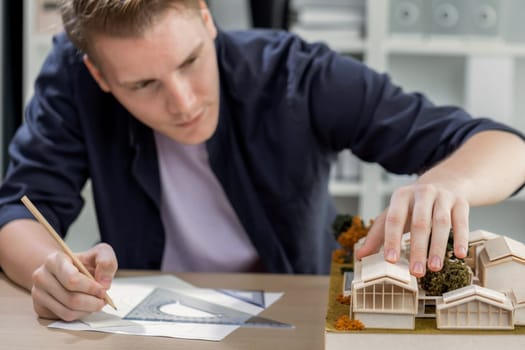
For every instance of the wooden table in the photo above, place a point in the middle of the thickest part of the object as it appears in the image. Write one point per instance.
(303, 305)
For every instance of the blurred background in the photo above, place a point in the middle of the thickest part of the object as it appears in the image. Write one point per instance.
(469, 53)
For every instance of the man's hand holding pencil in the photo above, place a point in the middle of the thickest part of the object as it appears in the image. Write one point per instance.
(70, 286)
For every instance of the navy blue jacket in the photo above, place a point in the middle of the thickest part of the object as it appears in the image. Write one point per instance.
(287, 107)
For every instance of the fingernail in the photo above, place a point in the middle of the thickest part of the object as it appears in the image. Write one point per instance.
(418, 269)
(391, 255)
(435, 263)
(463, 251)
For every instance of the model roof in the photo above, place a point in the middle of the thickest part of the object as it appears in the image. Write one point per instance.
(502, 247)
(470, 290)
(519, 296)
(375, 267)
(474, 292)
(478, 236)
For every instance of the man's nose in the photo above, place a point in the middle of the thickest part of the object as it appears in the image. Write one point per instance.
(180, 97)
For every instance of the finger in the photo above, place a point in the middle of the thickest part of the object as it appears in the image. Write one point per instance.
(441, 223)
(46, 306)
(106, 265)
(103, 263)
(460, 226)
(50, 297)
(395, 221)
(70, 278)
(42, 311)
(424, 197)
(374, 238)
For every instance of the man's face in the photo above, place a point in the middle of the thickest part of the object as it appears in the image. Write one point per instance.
(167, 78)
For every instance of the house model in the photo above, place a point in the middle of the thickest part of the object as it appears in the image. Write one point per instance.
(478, 237)
(474, 307)
(476, 241)
(499, 262)
(386, 295)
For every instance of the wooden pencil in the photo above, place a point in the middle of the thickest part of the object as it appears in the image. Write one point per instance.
(30, 206)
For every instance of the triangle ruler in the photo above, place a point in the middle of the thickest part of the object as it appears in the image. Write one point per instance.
(156, 306)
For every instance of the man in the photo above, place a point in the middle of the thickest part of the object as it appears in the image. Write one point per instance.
(210, 151)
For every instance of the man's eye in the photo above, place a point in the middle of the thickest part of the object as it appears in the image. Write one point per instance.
(190, 61)
(141, 85)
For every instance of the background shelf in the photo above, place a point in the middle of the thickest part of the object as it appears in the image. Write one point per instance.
(418, 57)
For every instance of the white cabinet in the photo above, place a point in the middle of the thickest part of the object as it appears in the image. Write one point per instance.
(443, 49)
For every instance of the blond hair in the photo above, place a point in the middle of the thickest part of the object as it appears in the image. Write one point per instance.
(82, 19)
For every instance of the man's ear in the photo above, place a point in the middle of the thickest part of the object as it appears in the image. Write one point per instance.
(96, 74)
(208, 19)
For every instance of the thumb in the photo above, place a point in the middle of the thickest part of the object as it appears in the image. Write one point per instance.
(374, 239)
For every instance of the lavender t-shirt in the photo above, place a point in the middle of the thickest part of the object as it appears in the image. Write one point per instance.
(203, 233)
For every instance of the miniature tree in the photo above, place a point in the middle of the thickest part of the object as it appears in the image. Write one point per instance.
(454, 274)
(347, 229)
(345, 323)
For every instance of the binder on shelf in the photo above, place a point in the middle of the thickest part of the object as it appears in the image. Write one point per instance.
(477, 18)
(323, 17)
(338, 23)
(409, 17)
(484, 18)
(448, 17)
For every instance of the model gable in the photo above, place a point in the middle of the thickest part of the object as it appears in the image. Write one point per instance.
(375, 267)
(504, 247)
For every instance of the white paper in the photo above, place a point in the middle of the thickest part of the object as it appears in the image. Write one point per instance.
(129, 292)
